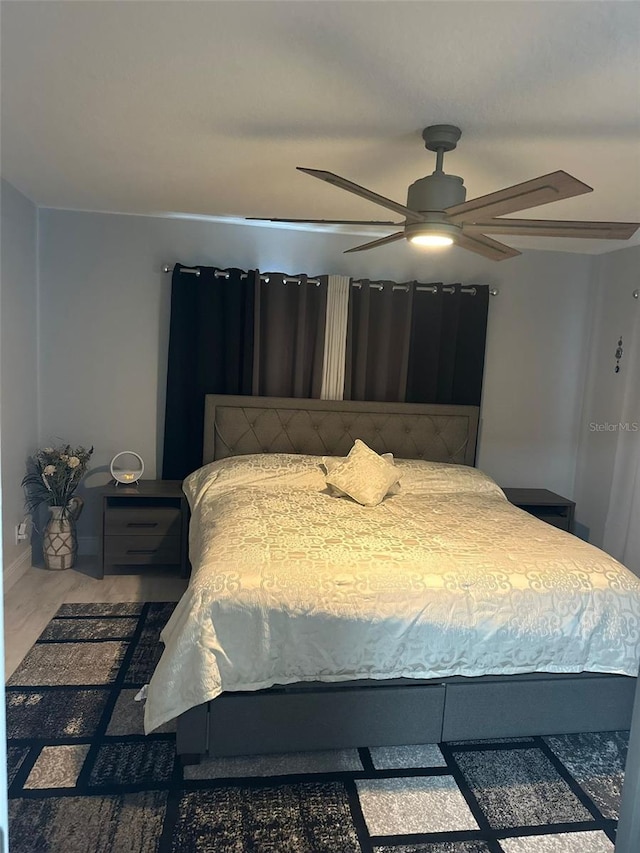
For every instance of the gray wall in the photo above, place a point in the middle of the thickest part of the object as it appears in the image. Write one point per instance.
(615, 312)
(18, 357)
(105, 314)
(19, 403)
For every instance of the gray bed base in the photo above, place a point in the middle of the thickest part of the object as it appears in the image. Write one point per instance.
(354, 714)
(381, 713)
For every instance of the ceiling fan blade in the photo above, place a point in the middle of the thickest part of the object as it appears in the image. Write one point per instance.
(486, 247)
(350, 187)
(554, 228)
(399, 235)
(327, 221)
(547, 188)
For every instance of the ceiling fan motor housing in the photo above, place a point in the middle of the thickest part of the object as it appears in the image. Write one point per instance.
(431, 196)
(436, 192)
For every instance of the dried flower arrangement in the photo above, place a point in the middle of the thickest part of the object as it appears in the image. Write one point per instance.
(53, 475)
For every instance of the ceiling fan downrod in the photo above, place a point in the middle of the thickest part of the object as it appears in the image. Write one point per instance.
(432, 195)
(441, 138)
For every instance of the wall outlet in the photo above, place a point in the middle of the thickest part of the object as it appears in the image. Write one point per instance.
(21, 532)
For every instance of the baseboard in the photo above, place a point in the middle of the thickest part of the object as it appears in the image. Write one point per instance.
(88, 545)
(16, 569)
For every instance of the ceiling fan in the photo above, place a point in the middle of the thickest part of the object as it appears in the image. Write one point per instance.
(436, 213)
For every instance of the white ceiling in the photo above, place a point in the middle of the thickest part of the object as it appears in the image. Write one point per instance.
(207, 107)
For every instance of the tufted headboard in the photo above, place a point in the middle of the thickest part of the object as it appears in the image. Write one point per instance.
(235, 426)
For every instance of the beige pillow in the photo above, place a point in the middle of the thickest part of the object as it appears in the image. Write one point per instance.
(363, 475)
(332, 462)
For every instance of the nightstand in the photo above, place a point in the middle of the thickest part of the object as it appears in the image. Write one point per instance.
(145, 526)
(545, 505)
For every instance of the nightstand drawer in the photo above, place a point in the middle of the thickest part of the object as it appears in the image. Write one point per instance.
(142, 521)
(558, 517)
(141, 550)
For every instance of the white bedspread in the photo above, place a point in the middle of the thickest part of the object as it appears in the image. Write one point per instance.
(446, 578)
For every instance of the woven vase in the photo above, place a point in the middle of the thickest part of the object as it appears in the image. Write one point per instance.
(59, 543)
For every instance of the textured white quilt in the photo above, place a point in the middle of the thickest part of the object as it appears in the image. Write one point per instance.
(445, 578)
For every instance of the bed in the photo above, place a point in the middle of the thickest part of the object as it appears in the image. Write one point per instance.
(267, 693)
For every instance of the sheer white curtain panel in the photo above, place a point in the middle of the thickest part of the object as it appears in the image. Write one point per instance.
(335, 342)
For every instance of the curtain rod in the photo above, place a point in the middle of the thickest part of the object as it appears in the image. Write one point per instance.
(354, 283)
(427, 288)
(287, 279)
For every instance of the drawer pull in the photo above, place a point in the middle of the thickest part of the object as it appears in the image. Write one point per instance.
(145, 524)
(142, 550)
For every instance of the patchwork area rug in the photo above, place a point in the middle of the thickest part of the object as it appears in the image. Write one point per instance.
(85, 779)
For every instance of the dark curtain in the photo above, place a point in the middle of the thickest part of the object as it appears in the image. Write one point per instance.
(416, 343)
(210, 352)
(446, 353)
(290, 316)
(378, 330)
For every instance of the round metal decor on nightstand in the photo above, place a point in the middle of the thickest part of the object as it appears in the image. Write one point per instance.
(127, 467)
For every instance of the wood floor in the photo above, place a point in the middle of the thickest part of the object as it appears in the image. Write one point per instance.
(33, 600)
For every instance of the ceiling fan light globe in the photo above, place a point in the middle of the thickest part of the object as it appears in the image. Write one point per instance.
(432, 234)
(431, 241)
